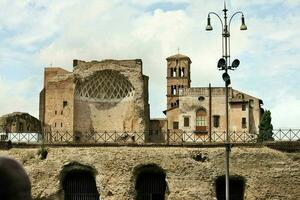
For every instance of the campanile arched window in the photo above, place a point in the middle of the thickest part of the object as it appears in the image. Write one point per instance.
(201, 120)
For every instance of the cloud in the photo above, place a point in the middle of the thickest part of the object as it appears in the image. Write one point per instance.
(42, 33)
(285, 113)
(15, 96)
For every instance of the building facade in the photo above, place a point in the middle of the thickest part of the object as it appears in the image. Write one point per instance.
(201, 110)
(110, 95)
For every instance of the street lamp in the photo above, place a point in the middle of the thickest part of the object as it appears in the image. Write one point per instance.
(224, 64)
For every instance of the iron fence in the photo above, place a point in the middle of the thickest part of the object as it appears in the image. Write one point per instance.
(276, 135)
(21, 137)
(218, 137)
(162, 137)
(94, 137)
(286, 135)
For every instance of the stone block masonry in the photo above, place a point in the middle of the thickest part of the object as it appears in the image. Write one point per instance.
(190, 172)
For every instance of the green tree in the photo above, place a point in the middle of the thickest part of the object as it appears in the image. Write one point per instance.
(266, 127)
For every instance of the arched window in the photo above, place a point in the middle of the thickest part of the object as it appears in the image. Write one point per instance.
(174, 90)
(174, 72)
(180, 89)
(236, 188)
(201, 120)
(150, 183)
(104, 86)
(80, 184)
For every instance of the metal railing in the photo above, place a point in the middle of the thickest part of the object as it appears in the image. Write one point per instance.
(163, 137)
(214, 137)
(286, 134)
(21, 137)
(94, 137)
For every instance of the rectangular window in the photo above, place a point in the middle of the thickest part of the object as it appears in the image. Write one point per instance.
(56, 112)
(55, 124)
(243, 107)
(175, 125)
(61, 125)
(61, 112)
(186, 121)
(65, 103)
(244, 122)
(216, 121)
(200, 121)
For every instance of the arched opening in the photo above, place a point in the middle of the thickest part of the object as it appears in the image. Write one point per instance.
(78, 183)
(201, 121)
(150, 183)
(104, 86)
(174, 72)
(236, 188)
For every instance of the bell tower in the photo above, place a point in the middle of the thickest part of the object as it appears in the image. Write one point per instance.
(178, 78)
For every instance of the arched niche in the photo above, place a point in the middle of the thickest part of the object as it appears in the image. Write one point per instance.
(77, 182)
(150, 183)
(236, 187)
(104, 86)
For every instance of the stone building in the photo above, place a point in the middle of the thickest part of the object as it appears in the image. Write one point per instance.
(201, 110)
(18, 122)
(110, 95)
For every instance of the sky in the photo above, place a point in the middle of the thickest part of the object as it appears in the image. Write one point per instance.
(35, 34)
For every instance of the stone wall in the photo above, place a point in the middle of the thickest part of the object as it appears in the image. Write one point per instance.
(190, 172)
(56, 100)
(123, 107)
(157, 131)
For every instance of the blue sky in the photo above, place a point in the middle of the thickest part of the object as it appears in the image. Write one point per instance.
(42, 33)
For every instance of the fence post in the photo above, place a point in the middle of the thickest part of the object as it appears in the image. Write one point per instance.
(168, 137)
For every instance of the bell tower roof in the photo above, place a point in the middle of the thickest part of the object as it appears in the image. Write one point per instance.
(179, 57)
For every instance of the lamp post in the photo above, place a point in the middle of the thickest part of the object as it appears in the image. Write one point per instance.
(224, 64)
